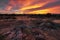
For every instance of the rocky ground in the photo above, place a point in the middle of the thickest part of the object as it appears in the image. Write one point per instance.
(24, 28)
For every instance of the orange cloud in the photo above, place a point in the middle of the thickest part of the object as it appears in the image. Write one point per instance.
(33, 6)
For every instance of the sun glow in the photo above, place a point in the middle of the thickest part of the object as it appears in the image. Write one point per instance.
(45, 11)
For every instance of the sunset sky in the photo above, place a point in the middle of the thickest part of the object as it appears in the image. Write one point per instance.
(30, 6)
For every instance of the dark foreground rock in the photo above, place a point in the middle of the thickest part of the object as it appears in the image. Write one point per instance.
(29, 29)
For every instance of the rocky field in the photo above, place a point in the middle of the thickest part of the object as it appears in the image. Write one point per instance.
(26, 28)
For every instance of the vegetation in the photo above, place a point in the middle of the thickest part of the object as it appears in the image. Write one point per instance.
(2, 37)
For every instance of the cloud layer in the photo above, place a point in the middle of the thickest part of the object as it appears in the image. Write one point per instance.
(31, 6)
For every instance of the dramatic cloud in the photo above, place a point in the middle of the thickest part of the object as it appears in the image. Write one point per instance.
(48, 5)
(30, 6)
